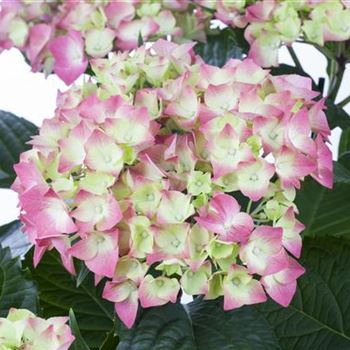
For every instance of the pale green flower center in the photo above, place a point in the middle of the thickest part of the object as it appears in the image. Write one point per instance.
(150, 197)
(236, 281)
(107, 158)
(257, 251)
(175, 242)
(254, 177)
(98, 209)
(144, 234)
(160, 283)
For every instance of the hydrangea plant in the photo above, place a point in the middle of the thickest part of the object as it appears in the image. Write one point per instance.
(140, 171)
(165, 172)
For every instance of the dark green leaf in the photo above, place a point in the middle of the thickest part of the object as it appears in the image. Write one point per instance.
(12, 236)
(140, 40)
(244, 328)
(16, 286)
(341, 173)
(344, 159)
(14, 133)
(344, 143)
(159, 328)
(337, 116)
(319, 316)
(111, 341)
(219, 48)
(58, 294)
(324, 212)
(79, 342)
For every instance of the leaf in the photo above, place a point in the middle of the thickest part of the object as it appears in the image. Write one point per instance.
(111, 341)
(344, 149)
(58, 294)
(337, 116)
(159, 328)
(79, 342)
(219, 48)
(16, 286)
(14, 133)
(341, 173)
(12, 236)
(243, 328)
(324, 212)
(344, 143)
(319, 316)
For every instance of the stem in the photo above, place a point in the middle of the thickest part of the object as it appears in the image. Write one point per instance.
(294, 57)
(337, 69)
(249, 206)
(258, 208)
(344, 102)
(262, 221)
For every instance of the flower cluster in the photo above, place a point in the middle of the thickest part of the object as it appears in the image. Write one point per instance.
(62, 36)
(171, 173)
(271, 23)
(21, 329)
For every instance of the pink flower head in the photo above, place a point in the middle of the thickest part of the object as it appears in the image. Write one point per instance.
(175, 207)
(123, 290)
(299, 132)
(103, 154)
(291, 239)
(292, 166)
(254, 178)
(158, 291)
(99, 251)
(240, 288)
(124, 295)
(47, 212)
(263, 252)
(225, 219)
(68, 52)
(39, 36)
(22, 329)
(116, 12)
(72, 148)
(281, 286)
(138, 166)
(129, 32)
(102, 212)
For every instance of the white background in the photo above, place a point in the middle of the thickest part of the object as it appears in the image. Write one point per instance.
(32, 96)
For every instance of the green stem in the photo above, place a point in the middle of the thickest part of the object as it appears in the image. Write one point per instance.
(258, 208)
(333, 92)
(344, 102)
(294, 57)
(249, 206)
(262, 221)
(337, 69)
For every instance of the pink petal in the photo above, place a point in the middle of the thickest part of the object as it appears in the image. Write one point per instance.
(68, 52)
(127, 309)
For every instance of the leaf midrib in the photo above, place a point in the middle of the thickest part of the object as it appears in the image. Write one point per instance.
(319, 322)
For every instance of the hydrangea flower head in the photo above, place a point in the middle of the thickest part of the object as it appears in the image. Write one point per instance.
(21, 329)
(145, 170)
